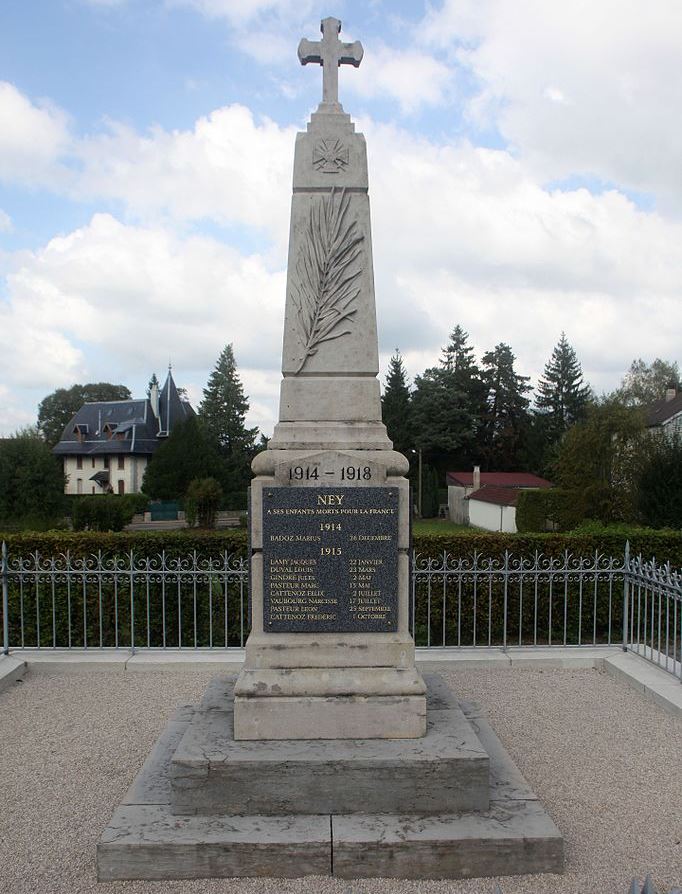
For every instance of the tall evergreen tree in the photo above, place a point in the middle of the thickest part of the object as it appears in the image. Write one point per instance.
(224, 407)
(562, 395)
(506, 419)
(396, 405)
(447, 402)
(223, 413)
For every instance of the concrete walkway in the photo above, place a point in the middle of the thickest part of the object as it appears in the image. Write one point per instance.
(650, 681)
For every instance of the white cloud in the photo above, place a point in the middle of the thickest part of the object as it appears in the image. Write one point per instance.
(6, 225)
(580, 87)
(113, 302)
(242, 12)
(32, 137)
(410, 77)
(475, 240)
(229, 168)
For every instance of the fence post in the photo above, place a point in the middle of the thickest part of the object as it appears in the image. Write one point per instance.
(5, 602)
(132, 602)
(626, 594)
(506, 584)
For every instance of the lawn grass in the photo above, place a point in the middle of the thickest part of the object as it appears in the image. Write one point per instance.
(439, 526)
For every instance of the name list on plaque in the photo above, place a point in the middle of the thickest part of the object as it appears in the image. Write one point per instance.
(330, 559)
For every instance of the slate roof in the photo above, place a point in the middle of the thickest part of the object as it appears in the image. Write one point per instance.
(103, 422)
(501, 496)
(662, 411)
(498, 479)
(171, 409)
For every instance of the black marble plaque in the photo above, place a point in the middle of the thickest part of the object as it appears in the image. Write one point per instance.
(330, 559)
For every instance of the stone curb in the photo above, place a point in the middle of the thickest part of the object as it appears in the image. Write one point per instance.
(11, 669)
(646, 678)
(650, 681)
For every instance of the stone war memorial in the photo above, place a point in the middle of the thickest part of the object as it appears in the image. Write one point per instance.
(329, 754)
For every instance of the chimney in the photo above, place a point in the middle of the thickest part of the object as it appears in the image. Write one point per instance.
(477, 477)
(154, 399)
(671, 392)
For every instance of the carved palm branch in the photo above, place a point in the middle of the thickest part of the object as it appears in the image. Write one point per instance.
(327, 269)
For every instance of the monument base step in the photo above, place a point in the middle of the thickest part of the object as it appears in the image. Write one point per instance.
(148, 842)
(215, 772)
(145, 840)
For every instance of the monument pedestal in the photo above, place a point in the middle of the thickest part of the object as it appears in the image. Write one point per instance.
(448, 805)
(329, 655)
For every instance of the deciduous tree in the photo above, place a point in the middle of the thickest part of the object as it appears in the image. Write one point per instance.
(188, 453)
(646, 382)
(55, 410)
(600, 460)
(31, 479)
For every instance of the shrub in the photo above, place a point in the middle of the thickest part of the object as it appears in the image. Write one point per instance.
(201, 502)
(105, 512)
(550, 509)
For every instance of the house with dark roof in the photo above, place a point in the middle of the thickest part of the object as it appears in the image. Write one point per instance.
(665, 415)
(107, 445)
(488, 499)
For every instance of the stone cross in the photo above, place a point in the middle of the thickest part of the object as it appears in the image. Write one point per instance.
(330, 52)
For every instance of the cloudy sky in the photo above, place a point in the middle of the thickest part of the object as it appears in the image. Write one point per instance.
(525, 178)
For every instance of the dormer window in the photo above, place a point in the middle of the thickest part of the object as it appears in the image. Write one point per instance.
(81, 432)
(110, 429)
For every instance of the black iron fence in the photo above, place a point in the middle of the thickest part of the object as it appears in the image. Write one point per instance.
(137, 602)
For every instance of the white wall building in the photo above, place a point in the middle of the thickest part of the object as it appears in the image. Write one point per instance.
(107, 445)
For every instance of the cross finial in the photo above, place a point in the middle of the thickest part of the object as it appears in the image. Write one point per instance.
(330, 52)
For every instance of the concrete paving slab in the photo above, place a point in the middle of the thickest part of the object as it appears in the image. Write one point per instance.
(147, 842)
(11, 670)
(512, 838)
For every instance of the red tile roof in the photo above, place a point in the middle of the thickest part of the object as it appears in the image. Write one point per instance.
(501, 496)
(498, 479)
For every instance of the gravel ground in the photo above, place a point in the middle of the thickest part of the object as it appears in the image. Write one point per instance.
(605, 763)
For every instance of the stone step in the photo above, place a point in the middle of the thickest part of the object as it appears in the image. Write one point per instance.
(146, 840)
(446, 771)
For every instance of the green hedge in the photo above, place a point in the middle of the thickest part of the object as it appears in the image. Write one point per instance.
(86, 543)
(215, 607)
(664, 545)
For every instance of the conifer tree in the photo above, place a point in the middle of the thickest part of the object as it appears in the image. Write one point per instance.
(506, 419)
(562, 395)
(447, 402)
(396, 405)
(224, 407)
(223, 413)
